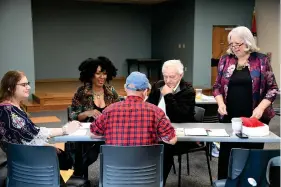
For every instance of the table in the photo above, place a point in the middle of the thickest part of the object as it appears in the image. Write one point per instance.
(148, 63)
(271, 138)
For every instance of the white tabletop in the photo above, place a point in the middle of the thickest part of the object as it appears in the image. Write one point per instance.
(271, 138)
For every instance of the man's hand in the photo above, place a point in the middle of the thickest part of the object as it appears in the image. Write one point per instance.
(166, 90)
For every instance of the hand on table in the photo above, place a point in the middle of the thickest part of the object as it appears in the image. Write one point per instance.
(72, 126)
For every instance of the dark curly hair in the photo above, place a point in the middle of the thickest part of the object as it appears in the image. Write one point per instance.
(89, 67)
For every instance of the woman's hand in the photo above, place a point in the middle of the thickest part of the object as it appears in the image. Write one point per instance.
(72, 126)
(258, 112)
(93, 113)
(222, 109)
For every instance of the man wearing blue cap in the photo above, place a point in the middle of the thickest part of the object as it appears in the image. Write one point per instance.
(142, 123)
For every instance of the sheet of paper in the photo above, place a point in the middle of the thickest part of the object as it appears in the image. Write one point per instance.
(66, 174)
(85, 125)
(195, 132)
(79, 132)
(217, 132)
(179, 131)
(208, 98)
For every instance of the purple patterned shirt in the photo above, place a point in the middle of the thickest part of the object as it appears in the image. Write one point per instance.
(264, 85)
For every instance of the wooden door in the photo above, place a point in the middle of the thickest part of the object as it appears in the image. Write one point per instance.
(219, 47)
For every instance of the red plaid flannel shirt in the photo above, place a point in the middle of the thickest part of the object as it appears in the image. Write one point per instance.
(133, 122)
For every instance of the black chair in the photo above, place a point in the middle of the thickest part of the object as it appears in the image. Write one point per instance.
(199, 117)
(238, 159)
(35, 166)
(131, 166)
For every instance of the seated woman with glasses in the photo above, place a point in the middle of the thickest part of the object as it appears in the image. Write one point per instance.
(15, 125)
(245, 87)
(88, 103)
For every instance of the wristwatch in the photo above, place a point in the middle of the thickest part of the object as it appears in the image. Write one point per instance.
(64, 129)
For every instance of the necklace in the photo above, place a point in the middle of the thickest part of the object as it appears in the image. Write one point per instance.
(98, 95)
(240, 67)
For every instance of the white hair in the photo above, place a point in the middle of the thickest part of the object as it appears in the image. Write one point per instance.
(246, 35)
(173, 63)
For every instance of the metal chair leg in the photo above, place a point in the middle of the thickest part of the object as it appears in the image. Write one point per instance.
(208, 163)
(187, 163)
(174, 167)
(179, 177)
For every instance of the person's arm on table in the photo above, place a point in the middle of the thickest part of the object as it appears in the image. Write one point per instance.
(165, 130)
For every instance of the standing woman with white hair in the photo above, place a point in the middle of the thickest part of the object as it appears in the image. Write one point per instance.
(245, 87)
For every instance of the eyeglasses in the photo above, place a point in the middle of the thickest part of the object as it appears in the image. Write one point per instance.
(231, 45)
(25, 84)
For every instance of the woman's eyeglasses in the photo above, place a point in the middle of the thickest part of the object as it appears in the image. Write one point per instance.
(236, 45)
(25, 84)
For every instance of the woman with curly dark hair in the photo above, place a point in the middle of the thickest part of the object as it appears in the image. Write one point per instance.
(88, 103)
(91, 98)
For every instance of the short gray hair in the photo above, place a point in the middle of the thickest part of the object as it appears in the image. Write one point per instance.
(246, 35)
(173, 63)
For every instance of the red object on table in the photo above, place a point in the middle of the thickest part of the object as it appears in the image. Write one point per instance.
(251, 122)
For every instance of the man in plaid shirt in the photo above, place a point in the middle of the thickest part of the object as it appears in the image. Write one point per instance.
(133, 121)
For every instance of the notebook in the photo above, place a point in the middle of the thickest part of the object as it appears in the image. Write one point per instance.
(195, 132)
(217, 132)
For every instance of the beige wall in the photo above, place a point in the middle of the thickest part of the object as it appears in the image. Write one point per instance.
(268, 31)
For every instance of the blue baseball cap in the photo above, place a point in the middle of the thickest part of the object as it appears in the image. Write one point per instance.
(137, 81)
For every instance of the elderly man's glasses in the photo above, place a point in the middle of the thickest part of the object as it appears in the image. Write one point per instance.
(236, 45)
(25, 84)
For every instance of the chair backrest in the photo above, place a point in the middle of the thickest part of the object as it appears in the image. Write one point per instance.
(131, 166)
(199, 114)
(68, 113)
(32, 166)
(273, 171)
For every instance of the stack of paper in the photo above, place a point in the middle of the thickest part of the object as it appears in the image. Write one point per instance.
(217, 132)
(195, 132)
(179, 131)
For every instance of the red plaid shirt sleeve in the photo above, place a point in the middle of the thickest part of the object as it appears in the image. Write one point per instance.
(98, 126)
(164, 128)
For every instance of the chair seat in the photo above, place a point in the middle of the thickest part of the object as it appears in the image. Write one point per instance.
(219, 183)
(78, 182)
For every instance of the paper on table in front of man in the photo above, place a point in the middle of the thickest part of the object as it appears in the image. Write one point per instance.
(217, 132)
(179, 131)
(79, 132)
(85, 125)
(195, 132)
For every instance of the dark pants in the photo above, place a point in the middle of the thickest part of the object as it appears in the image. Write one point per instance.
(168, 160)
(86, 153)
(225, 149)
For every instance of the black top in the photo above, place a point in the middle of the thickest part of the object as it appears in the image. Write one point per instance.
(179, 106)
(239, 97)
(91, 119)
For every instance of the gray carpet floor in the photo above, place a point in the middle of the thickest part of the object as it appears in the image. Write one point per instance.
(198, 167)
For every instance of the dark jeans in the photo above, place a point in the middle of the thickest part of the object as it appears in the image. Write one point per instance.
(225, 149)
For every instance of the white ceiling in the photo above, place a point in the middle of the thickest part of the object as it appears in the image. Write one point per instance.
(129, 1)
